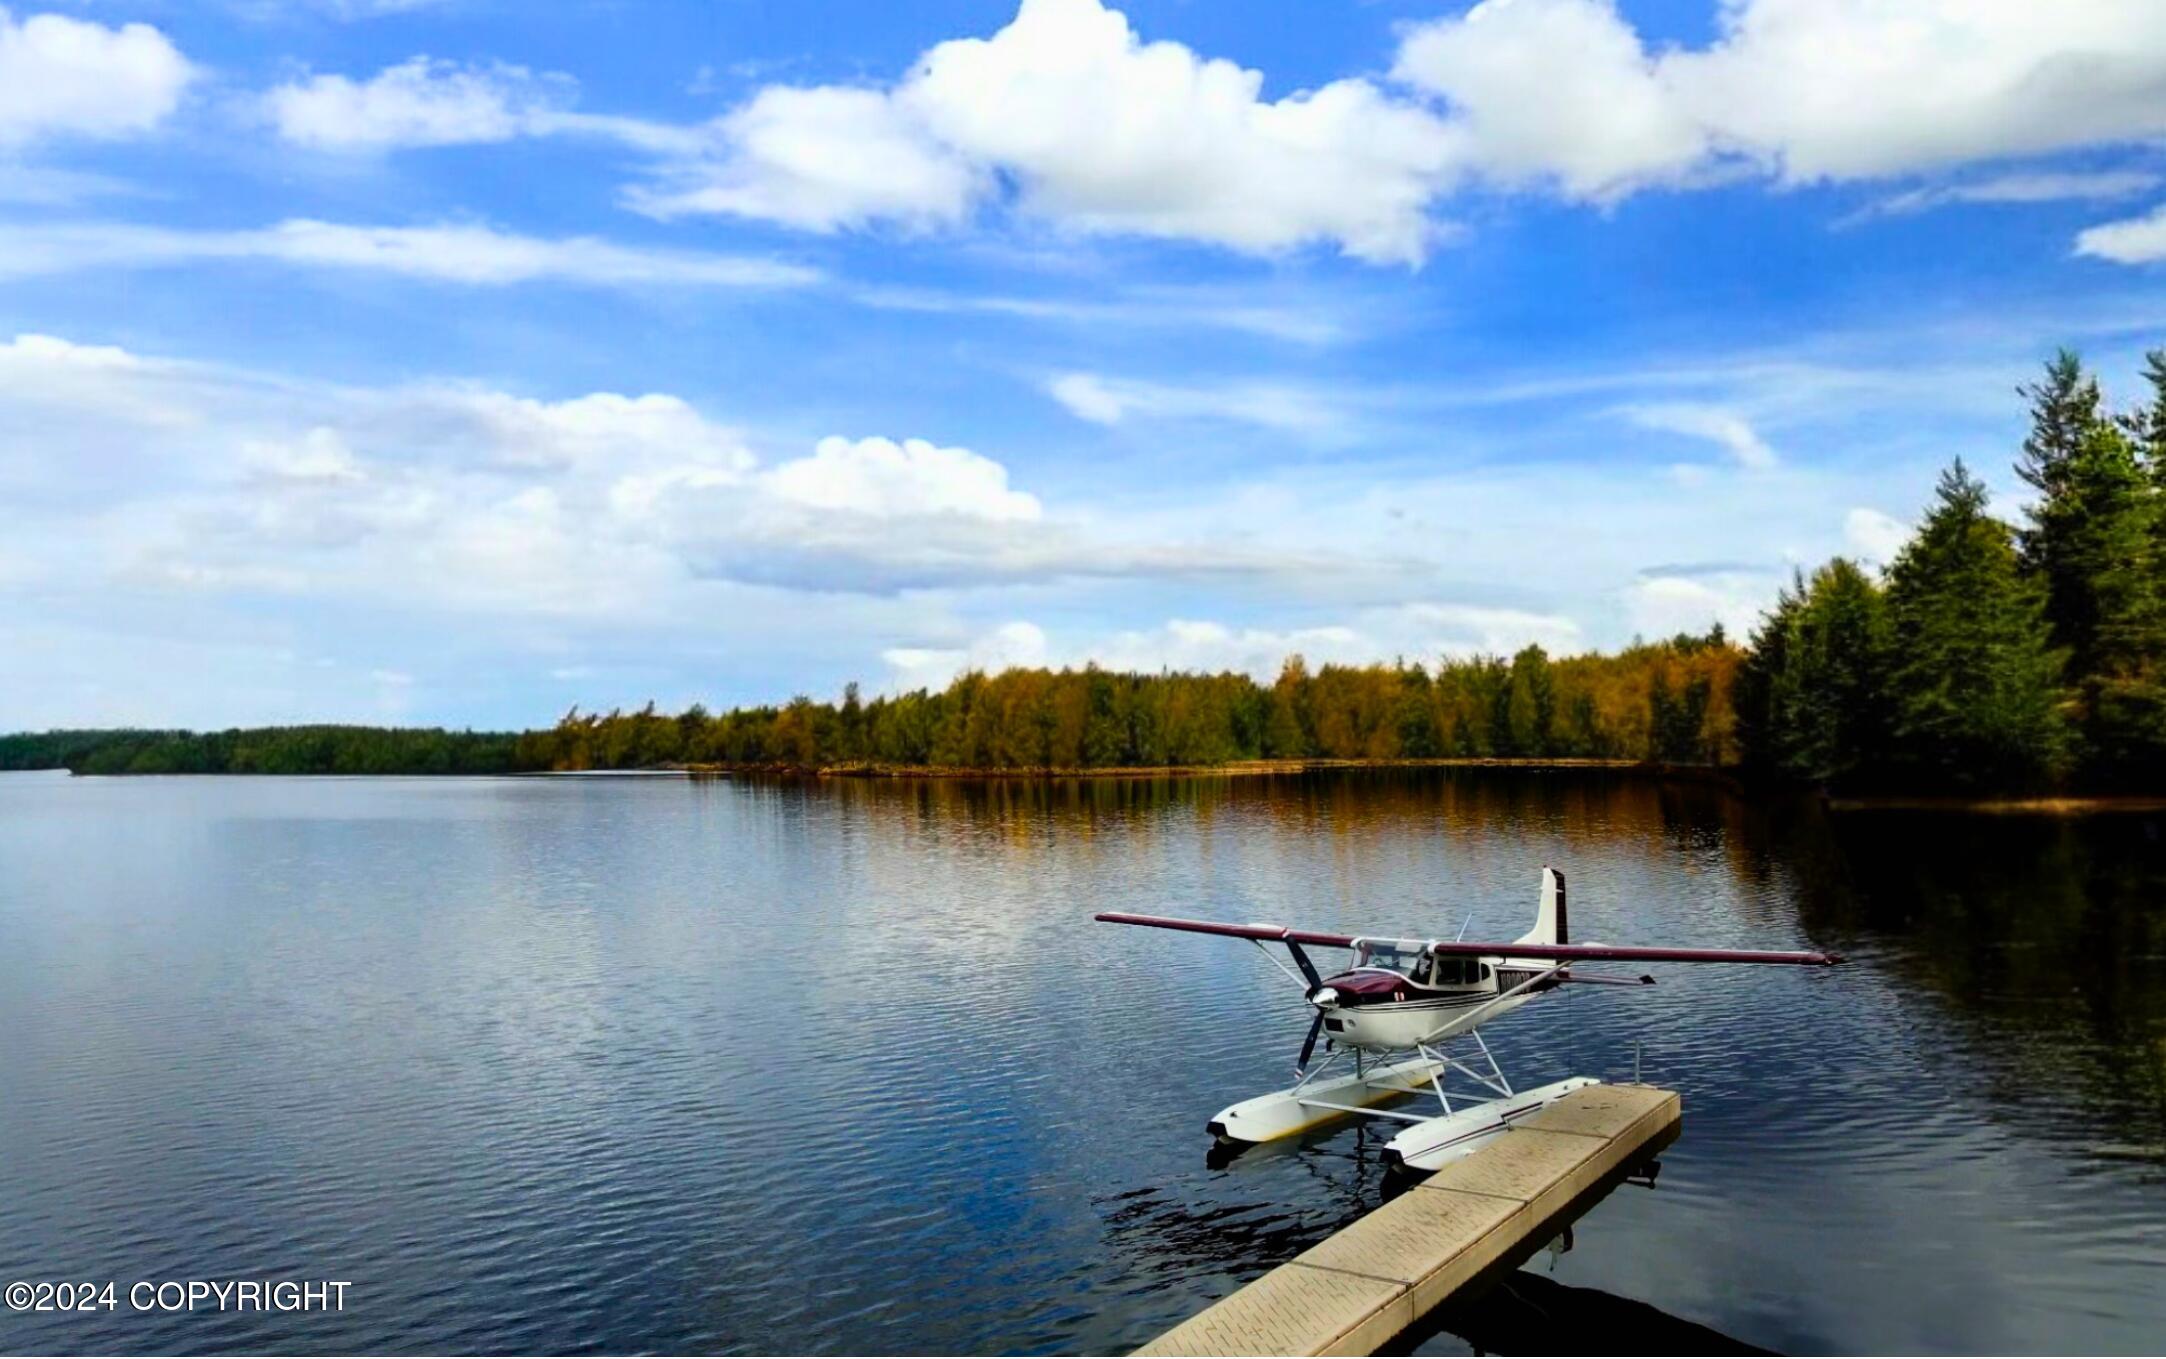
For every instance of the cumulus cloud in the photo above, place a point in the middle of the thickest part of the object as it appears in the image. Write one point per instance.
(1566, 91)
(443, 495)
(68, 77)
(1066, 115)
(822, 159)
(466, 254)
(1716, 424)
(1556, 90)
(885, 479)
(1070, 117)
(416, 103)
(2133, 240)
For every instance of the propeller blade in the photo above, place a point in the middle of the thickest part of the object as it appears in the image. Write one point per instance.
(1301, 960)
(1308, 1045)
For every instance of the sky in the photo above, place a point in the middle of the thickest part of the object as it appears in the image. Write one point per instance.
(462, 361)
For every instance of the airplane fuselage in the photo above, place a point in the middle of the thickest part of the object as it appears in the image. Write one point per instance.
(1380, 1008)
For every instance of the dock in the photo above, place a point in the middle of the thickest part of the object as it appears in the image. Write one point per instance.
(1354, 1292)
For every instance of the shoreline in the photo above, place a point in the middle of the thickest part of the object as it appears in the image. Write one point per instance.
(1230, 769)
(2057, 805)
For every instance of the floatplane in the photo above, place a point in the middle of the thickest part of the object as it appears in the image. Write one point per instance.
(1407, 1011)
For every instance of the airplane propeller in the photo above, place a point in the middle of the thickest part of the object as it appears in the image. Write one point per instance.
(1308, 969)
(1308, 1044)
(1316, 984)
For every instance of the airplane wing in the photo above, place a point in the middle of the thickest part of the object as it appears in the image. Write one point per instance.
(1627, 954)
(1555, 952)
(1275, 933)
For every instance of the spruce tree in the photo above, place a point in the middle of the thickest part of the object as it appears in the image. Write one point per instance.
(2114, 544)
(2146, 425)
(1763, 697)
(1975, 681)
(1841, 656)
(2063, 409)
(2065, 414)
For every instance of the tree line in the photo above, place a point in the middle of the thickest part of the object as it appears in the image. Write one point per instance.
(1666, 701)
(266, 750)
(1989, 656)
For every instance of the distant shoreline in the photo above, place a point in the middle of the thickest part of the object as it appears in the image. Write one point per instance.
(871, 770)
(2006, 806)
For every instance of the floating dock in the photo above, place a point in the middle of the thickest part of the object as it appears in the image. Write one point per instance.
(1353, 1293)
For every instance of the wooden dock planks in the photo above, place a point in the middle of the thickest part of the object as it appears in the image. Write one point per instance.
(1353, 1292)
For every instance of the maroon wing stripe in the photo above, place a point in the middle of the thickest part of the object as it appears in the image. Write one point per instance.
(1275, 932)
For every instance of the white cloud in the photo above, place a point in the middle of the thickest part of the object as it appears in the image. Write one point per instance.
(821, 159)
(1554, 89)
(320, 455)
(1662, 605)
(67, 77)
(1715, 424)
(1873, 535)
(1098, 132)
(2028, 187)
(1086, 396)
(475, 255)
(451, 497)
(2133, 240)
(1106, 132)
(1067, 116)
(1110, 401)
(1007, 647)
(887, 480)
(416, 103)
(602, 431)
(1803, 90)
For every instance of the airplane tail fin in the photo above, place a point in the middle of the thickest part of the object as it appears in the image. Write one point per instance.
(1549, 923)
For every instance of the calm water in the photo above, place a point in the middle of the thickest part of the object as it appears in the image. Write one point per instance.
(626, 1064)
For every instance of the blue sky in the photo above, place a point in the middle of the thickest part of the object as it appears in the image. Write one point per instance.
(462, 361)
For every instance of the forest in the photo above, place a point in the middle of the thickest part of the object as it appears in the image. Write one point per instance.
(265, 750)
(1666, 702)
(1987, 657)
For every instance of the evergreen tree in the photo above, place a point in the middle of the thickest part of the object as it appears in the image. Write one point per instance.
(2066, 416)
(2064, 407)
(2114, 545)
(1764, 696)
(1834, 657)
(1975, 680)
(2146, 424)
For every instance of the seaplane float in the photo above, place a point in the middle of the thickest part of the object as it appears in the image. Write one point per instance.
(1407, 1012)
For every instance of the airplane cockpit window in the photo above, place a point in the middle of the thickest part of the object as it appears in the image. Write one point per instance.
(1401, 961)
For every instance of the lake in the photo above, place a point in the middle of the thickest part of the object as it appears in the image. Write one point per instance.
(612, 1064)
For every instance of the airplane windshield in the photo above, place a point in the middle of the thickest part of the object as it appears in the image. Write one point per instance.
(1400, 960)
